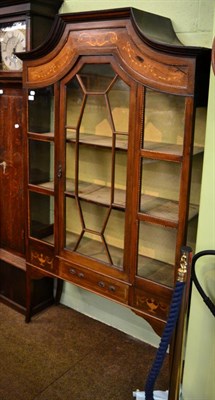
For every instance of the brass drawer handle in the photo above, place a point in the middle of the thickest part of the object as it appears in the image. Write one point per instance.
(112, 288)
(101, 284)
(72, 271)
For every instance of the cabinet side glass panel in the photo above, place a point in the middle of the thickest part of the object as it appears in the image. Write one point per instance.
(156, 253)
(41, 110)
(164, 122)
(41, 163)
(96, 163)
(196, 176)
(41, 216)
(160, 184)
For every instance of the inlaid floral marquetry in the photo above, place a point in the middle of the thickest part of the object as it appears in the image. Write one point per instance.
(93, 39)
(152, 305)
(118, 41)
(44, 261)
(49, 69)
(173, 75)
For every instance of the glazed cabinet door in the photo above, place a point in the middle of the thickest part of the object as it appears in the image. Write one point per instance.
(160, 171)
(11, 171)
(41, 164)
(41, 158)
(169, 181)
(94, 137)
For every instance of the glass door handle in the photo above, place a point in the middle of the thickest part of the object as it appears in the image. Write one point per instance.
(3, 165)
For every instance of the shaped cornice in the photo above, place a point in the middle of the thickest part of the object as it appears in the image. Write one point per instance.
(144, 43)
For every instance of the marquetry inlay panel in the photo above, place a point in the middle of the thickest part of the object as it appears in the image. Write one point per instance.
(106, 41)
(41, 260)
(151, 304)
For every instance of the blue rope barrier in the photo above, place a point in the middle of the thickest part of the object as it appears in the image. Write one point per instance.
(165, 339)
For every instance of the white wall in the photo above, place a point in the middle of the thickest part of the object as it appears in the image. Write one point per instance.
(192, 19)
(193, 22)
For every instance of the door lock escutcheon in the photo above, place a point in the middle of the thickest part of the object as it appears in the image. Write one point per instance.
(59, 171)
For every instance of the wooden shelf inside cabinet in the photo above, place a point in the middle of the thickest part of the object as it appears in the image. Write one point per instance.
(169, 148)
(46, 136)
(96, 193)
(164, 208)
(122, 144)
(99, 140)
(46, 185)
(151, 205)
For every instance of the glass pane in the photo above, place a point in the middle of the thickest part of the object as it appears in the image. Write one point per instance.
(93, 246)
(96, 118)
(114, 237)
(96, 163)
(160, 185)
(200, 129)
(73, 224)
(94, 216)
(96, 112)
(41, 110)
(96, 77)
(164, 122)
(119, 195)
(95, 169)
(119, 96)
(195, 185)
(94, 179)
(95, 231)
(70, 167)
(41, 163)
(156, 253)
(74, 100)
(192, 233)
(79, 216)
(42, 217)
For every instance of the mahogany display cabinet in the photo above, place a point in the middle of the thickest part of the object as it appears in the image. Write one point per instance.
(114, 140)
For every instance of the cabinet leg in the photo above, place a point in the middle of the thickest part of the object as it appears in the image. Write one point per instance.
(59, 291)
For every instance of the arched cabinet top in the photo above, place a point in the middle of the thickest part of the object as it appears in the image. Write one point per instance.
(145, 46)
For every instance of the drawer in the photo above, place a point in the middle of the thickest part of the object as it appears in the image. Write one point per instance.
(42, 256)
(94, 282)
